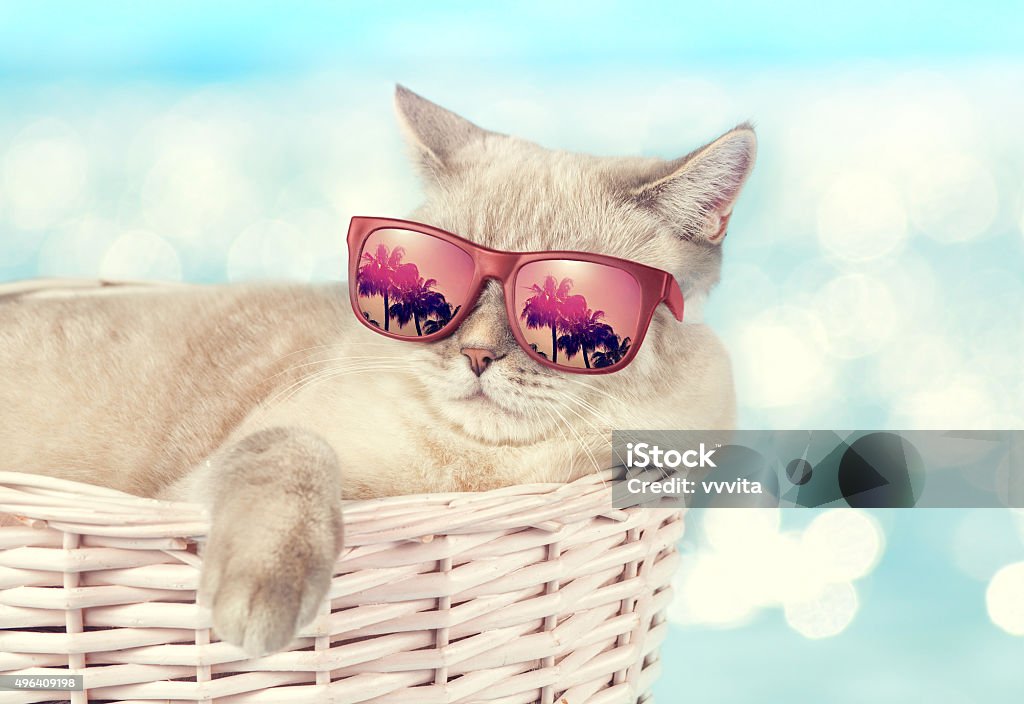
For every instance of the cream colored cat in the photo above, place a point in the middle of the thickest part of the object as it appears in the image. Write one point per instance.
(268, 403)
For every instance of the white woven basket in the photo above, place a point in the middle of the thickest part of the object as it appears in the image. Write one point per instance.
(534, 593)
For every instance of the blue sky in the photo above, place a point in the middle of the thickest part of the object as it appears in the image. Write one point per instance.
(199, 41)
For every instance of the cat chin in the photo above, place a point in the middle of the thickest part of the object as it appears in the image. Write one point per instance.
(482, 418)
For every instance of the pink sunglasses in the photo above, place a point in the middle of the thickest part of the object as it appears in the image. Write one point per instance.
(573, 311)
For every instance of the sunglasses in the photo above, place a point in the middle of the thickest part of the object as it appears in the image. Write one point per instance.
(572, 311)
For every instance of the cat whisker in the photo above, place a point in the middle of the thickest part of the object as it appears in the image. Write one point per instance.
(558, 422)
(600, 430)
(589, 407)
(600, 415)
(324, 374)
(307, 383)
(629, 436)
(594, 388)
(583, 445)
(314, 349)
(329, 360)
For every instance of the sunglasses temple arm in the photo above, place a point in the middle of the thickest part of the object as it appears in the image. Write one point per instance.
(673, 297)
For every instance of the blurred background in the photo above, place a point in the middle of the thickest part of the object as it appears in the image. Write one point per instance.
(874, 272)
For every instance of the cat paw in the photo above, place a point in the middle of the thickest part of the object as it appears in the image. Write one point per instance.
(275, 535)
(258, 602)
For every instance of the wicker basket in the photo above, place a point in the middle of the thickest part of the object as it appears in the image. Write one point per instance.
(533, 593)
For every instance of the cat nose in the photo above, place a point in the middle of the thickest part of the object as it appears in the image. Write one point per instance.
(480, 358)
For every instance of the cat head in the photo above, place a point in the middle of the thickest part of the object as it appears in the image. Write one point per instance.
(511, 194)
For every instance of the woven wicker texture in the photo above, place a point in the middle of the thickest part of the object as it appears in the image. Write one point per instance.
(533, 593)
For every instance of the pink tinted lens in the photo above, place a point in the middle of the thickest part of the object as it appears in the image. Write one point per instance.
(578, 314)
(410, 283)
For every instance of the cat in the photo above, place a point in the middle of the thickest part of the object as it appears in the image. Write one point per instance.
(268, 403)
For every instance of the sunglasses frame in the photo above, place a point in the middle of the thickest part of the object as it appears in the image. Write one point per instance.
(656, 285)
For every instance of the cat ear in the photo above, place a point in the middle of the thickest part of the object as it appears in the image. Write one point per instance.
(435, 133)
(697, 192)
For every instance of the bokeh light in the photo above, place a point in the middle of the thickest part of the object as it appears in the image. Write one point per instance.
(44, 174)
(1020, 223)
(1004, 598)
(76, 248)
(953, 198)
(859, 314)
(270, 249)
(861, 217)
(948, 400)
(825, 615)
(746, 563)
(141, 256)
(844, 544)
(782, 358)
(983, 541)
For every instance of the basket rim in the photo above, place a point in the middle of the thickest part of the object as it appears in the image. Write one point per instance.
(45, 501)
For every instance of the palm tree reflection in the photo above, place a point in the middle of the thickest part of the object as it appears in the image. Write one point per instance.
(575, 328)
(408, 297)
